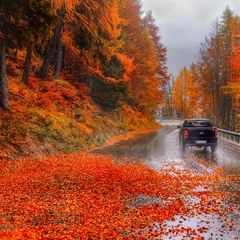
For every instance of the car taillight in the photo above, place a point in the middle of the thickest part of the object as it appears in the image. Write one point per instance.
(216, 133)
(186, 133)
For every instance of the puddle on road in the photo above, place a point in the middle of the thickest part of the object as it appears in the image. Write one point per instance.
(223, 225)
(207, 226)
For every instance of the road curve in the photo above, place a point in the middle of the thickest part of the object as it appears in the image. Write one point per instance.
(161, 148)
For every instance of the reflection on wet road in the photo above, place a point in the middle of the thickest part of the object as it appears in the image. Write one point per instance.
(226, 156)
(161, 148)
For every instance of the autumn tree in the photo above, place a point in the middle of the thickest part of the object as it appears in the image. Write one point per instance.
(160, 51)
(195, 93)
(86, 32)
(22, 23)
(10, 36)
(167, 106)
(179, 95)
(38, 19)
(142, 44)
(215, 71)
(211, 65)
(185, 96)
(205, 92)
(3, 81)
(107, 45)
(64, 10)
(226, 110)
(96, 35)
(233, 85)
(100, 62)
(53, 43)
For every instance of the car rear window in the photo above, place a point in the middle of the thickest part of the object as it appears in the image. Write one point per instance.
(198, 123)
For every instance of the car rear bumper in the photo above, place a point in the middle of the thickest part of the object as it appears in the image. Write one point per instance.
(201, 143)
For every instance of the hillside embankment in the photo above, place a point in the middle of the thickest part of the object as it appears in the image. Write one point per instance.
(52, 116)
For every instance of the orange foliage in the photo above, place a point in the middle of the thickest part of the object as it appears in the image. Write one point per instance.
(233, 85)
(90, 197)
(131, 134)
(186, 95)
(51, 92)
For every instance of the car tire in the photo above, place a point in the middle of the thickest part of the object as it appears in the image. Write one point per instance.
(183, 146)
(213, 148)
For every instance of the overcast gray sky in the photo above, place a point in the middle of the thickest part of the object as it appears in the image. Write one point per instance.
(183, 25)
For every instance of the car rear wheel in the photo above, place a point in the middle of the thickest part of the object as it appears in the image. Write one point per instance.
(183, 146)
(213, 148)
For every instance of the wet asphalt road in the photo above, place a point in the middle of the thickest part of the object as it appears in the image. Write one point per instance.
(161, 148)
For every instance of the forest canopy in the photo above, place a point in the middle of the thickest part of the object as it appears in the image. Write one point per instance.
(112, 47)
(72, 70)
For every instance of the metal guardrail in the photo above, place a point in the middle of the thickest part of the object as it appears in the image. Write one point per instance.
(229, 136)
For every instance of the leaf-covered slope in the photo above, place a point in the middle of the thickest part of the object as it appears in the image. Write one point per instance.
(51, 116)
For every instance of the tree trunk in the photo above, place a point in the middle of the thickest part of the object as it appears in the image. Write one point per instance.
(52, 45)
(4, 101)
(48, 56)
(27, 64)
(58, 58)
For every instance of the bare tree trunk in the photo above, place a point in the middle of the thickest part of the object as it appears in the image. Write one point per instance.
(56, 39)
(27, 64)
(58, 59)
(4, 100)
(49, 55)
